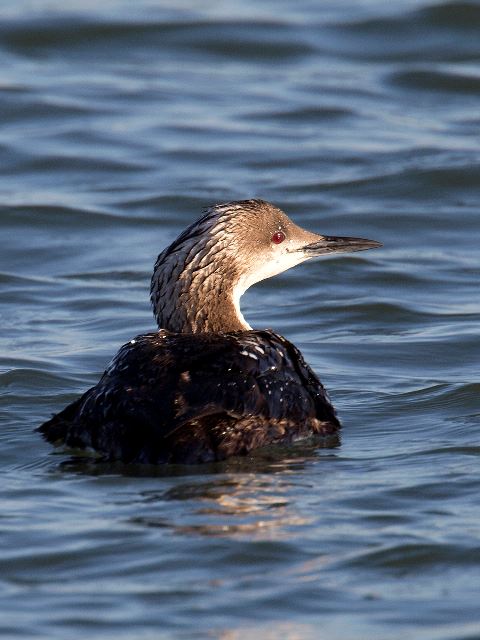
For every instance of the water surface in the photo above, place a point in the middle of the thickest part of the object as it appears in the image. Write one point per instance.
(119, 123)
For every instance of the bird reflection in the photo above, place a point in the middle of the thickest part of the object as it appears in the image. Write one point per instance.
(263, 506)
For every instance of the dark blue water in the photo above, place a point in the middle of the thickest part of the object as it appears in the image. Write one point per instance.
(119, 122)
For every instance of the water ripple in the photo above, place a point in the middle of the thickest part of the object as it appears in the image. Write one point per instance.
(443, 81)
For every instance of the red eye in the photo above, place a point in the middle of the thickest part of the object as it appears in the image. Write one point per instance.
(278, 237)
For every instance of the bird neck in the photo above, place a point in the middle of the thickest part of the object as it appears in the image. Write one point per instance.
(191, 298)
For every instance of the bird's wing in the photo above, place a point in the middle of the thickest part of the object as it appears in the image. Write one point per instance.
(160, 383)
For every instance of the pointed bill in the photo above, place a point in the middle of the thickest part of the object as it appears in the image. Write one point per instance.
(338, 244)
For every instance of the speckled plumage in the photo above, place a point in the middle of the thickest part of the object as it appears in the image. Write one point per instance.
(190, 398)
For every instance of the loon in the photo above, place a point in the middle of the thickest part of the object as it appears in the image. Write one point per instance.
(207, 386)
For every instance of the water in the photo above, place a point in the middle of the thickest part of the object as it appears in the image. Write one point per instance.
(119, 123)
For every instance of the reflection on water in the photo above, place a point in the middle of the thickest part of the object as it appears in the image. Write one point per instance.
(230, 506)
(241, 496)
